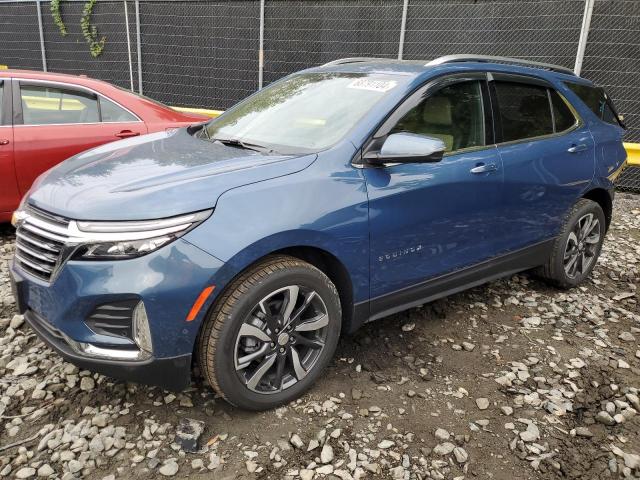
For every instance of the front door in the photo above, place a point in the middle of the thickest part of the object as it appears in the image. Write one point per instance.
(429, 219)
(55, 122)
(9, 195)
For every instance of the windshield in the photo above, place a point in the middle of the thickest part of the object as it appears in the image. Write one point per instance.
(303, 113)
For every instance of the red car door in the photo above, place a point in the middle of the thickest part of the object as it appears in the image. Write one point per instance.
(55, 121)
(9, 195)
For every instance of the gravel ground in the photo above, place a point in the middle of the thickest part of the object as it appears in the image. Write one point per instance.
(510, 380)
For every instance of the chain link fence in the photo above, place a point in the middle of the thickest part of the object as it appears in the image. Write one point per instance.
(213, 53)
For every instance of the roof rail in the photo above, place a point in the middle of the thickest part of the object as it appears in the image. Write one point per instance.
(341, 61)
(489, 58)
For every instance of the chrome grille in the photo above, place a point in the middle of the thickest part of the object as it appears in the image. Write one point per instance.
(40, 239)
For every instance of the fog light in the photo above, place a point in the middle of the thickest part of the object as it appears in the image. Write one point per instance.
(141, 332)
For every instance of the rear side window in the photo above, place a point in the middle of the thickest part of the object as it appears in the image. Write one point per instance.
(596, 99)
(50, 106)
(563, 118)
(525, 111)
(111, 112)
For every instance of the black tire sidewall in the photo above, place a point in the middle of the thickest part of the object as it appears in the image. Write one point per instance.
(228, 380)
(587, 206)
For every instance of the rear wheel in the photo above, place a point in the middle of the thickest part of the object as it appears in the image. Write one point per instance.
(577, 249)
(271, 333)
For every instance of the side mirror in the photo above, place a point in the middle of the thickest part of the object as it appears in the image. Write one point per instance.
(408, 148)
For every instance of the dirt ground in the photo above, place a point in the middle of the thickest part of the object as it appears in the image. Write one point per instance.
(511, 380)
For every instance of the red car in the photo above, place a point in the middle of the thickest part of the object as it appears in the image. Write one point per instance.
(46, 118)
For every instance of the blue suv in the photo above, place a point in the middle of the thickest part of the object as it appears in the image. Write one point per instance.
(334, 197)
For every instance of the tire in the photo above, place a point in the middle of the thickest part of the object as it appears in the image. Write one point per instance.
(246, 333)
(559, 270)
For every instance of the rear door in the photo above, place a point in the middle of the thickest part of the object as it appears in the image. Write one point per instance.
(54, 121)
(548, 156)
(9, 195)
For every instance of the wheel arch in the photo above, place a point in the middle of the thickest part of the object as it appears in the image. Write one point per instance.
(602, 198)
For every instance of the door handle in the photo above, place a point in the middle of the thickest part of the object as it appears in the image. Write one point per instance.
(127, 134)
(4, 141)
(577, 148)
(484, 168)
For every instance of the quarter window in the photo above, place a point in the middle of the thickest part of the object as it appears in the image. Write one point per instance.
(453, 114)
(46, 106)
(110, 112)
(524, 109)
(597, 100)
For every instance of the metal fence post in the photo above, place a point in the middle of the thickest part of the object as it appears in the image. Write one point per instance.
(126, 23)
(138, 47)
(42, 50)
(261, 47)
(584, 33)
(403, 28)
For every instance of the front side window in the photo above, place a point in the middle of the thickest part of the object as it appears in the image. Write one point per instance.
(524, 109)
(110, 112)
(49, 106)
(453, 114)
(306, 112)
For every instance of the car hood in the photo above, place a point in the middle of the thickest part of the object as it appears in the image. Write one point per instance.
(154, 176)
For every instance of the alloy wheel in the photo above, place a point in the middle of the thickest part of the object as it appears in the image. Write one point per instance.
(281, 340)
(582, 245)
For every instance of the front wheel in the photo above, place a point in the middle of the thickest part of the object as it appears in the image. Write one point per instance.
(577, 249)
(271, 333)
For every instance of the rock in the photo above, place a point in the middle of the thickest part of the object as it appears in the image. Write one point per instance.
(461, 455)
(407, 327)
(16, 322)
(296, 441)
(507, 410)
(631, 461)
(251, 466)
(604, 418)
(87, 384)
(25, 472)
(384, 444)
(169, 469)
(306, 474)
(356, 394)
(444, 448)
(531, 322)
(188, 434)
(482, 403)
(531, 434)
(442, 434)
(627, 337)
(325, 469)
(468, 346)
(623, 364)
(326, 455)
(583, 432)
(45, 470)
(397, 473)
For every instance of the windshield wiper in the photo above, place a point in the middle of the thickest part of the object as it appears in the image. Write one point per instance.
(236, 142)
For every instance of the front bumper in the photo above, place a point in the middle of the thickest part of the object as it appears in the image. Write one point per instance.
(167, 281)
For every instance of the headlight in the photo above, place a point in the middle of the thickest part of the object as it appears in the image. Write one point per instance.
(122, 240)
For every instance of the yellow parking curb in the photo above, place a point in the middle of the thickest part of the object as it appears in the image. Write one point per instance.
(633, 153)
(201, 111)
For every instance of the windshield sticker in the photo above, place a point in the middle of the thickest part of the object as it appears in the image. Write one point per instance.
(373, 85)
